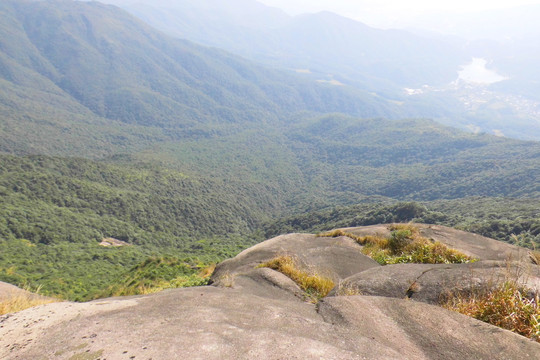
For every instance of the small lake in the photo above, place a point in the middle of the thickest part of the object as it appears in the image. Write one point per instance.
(476, 72)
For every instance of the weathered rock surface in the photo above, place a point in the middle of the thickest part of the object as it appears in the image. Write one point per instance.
(8, 290)
(254, 313)
(432, 282)
(337, 258)
(420, 331)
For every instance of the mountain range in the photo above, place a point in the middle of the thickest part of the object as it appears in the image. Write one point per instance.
(323, 43)
(99, 63)
(390, 63)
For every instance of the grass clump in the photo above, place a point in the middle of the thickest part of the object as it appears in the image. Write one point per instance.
(347, 290)
(314, 285)
(21, 301)
(404, 245)
(508, 306)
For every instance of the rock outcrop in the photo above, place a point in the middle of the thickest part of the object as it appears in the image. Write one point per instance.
(258, 313)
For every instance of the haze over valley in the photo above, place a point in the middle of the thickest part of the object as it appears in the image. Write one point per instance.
(381, 61)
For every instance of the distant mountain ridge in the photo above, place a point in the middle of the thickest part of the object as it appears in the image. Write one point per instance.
(390, 63)
(322, 42)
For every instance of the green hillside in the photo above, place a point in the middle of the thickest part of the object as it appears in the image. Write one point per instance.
(54, 212)
(415, 159)
(202, 201)
(99, 81)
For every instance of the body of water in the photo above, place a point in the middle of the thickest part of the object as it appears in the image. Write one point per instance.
(476, 72)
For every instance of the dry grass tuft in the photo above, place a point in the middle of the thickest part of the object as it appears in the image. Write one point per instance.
(347, 290)
(21, 301)
(154, 286)
(405, 245)
(335, 233)
(207, 271)
(535, 256)
(227, 280)
(508, 305)
(414, 230)
(315, 285)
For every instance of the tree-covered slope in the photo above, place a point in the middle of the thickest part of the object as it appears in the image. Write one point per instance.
(54, 212)
(203, 200)
(88, 70)
(49, 200)
(413, 159)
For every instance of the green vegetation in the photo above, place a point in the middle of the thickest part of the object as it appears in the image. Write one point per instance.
(67, 270)
(54, 212)
(47, 200)
(404, 245)
(80, 271)
(87, 78)
(316, 286)
(156, 274)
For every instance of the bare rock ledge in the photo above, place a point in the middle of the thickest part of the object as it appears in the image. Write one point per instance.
(250, 313)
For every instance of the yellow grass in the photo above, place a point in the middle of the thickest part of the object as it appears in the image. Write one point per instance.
(151, 287)
(508, 306)
(347, 290)
(535, 256)
(407, 227)
(315, 285)
(207, 271)
(22, 301)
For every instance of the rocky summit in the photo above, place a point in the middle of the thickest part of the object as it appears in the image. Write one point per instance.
(253, 312)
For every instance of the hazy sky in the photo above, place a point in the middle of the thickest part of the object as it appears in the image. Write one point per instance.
(384, 12)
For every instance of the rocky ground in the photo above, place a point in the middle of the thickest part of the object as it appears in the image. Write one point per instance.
(258, 313)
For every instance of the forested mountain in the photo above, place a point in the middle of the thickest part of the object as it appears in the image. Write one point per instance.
(110, 129)
(418, 72)
(55, 212)
(65, 63)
